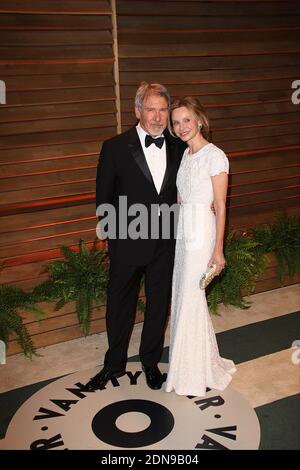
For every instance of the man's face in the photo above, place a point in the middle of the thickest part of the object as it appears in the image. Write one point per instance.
(153, 115)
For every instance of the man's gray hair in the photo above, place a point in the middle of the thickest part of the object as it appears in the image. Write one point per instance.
(146, 89)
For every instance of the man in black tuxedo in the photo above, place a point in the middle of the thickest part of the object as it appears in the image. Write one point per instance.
(140, 164)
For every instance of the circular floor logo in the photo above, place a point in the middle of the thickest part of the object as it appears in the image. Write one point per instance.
(126, 414)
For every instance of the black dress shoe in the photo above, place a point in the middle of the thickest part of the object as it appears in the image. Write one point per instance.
(100, 380)
(154, 377)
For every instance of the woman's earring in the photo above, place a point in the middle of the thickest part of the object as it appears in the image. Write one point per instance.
(200, 126)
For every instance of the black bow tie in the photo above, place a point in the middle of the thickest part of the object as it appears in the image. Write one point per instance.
(159, 141)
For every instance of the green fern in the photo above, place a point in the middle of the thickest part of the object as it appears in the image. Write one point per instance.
(12, 301)
(244, 263)
(81, 277)
(283, 240)
(141, 306)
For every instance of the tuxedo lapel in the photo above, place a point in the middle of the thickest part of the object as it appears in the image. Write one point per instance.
(170, 165)
(136, 151)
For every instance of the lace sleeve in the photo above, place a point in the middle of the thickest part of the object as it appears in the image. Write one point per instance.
(218, 162)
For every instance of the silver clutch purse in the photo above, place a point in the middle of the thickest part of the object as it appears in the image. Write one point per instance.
(207, 276)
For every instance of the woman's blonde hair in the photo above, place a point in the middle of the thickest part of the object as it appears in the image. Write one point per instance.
(193, 105)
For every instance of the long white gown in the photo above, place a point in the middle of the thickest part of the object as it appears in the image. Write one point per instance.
(194, 360)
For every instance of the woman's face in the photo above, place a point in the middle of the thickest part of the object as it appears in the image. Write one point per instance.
(185, 124)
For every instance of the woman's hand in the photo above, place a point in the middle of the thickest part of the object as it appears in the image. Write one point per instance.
(218, 259)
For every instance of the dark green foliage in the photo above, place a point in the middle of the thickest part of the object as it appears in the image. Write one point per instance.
(283, 240)
(244, 263)
(12, 301)
(81, 277)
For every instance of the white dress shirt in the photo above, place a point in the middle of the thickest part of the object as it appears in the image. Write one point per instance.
(155, 157)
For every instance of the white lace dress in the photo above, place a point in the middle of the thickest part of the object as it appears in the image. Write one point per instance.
(194, 360)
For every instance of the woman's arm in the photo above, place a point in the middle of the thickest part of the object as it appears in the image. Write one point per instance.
(220, 184)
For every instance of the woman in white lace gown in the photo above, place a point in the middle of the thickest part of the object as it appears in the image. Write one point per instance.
(194, 360)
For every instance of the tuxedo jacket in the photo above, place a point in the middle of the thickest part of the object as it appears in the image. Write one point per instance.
(123, 171)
